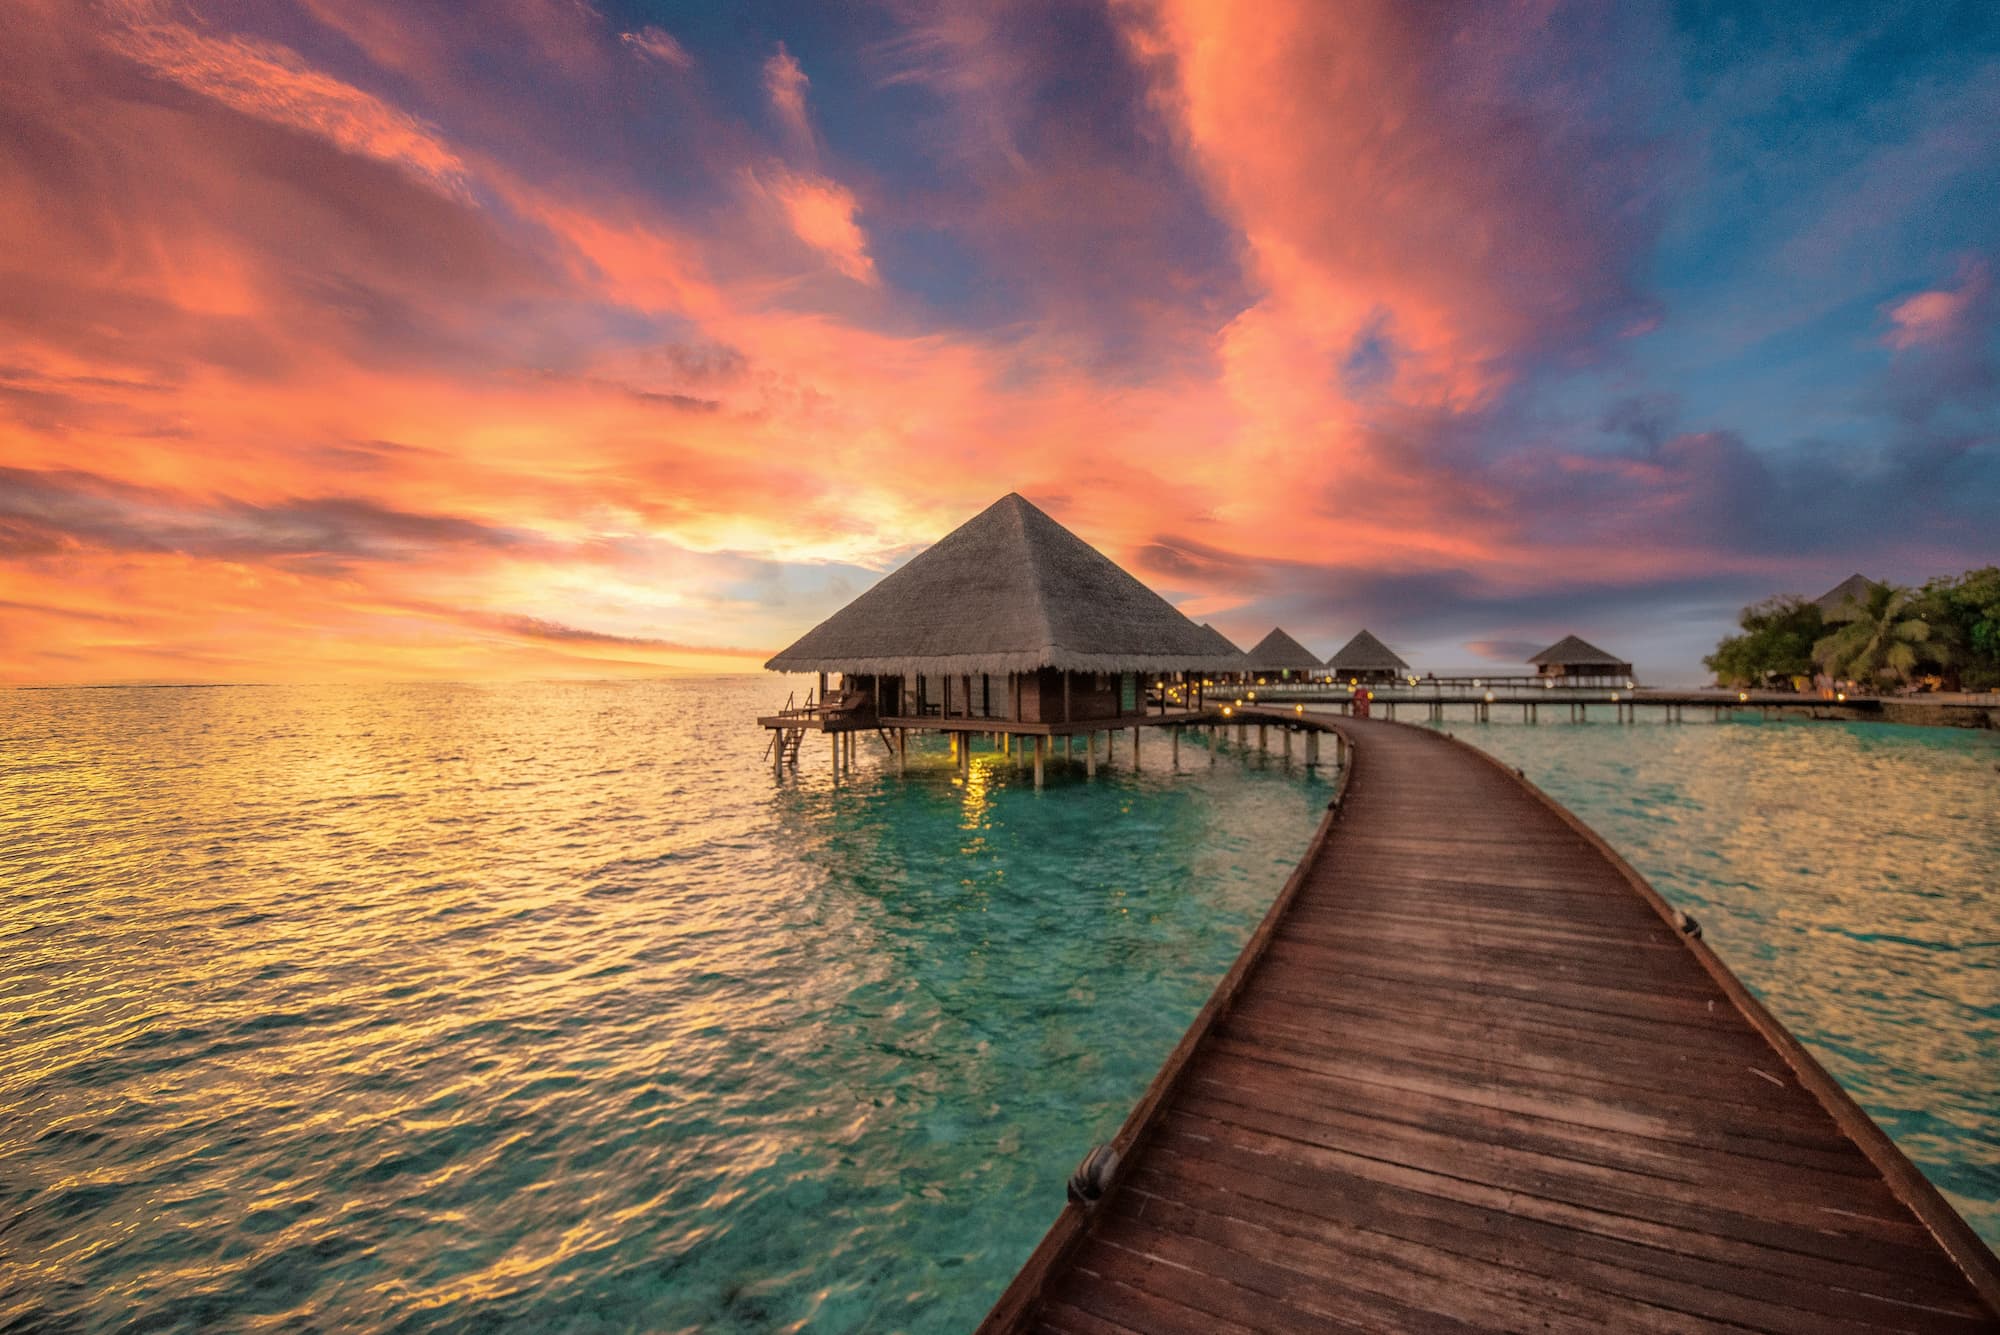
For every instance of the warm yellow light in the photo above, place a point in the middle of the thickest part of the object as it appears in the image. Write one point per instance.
(1298, 709)
(1489, 697)
(1840, 695)
(1253, 695)
(1743, 695)
(1614, 695)
(1227, 711)
(1354, 681)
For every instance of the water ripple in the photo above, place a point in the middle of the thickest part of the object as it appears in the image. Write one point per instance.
(542, 1008)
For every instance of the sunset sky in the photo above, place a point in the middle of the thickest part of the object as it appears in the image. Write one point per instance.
(347, 338)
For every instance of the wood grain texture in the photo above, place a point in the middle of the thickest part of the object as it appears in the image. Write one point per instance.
(1471, 1078)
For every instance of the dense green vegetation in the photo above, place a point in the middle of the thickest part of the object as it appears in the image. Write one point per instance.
(1946, 633)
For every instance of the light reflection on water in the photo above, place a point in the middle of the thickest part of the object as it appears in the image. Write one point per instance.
(1849, 874)
(542, 1008)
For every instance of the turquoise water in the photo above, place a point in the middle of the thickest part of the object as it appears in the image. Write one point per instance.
(1849, 874)
(543, 1008)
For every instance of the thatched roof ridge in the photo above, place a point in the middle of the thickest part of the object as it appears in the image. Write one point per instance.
(1576, 652)
(1844, 601)
(1223, 644)
(1365, 653)
(1278, 651)
(1009, 590)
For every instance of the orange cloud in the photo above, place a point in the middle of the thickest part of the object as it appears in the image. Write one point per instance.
(272, 82)
(821, 214)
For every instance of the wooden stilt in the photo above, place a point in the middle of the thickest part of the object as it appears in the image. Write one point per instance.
(1263, 737)
(1213, 744)
(902, 750)
(1288, 746)
(1040, 742)
(1175, 743)
(1135, 750)
(1090, 755)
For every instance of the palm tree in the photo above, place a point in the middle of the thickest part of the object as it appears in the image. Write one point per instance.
(1879, 645)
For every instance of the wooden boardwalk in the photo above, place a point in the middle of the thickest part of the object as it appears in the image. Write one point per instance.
(1468, 1076)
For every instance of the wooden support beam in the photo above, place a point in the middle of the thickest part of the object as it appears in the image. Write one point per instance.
(1040, 742)
(1090, 755)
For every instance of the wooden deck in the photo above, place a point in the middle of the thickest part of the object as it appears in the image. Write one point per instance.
(1468, 1076)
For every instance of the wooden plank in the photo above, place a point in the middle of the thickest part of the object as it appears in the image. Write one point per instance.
(1469, 1075)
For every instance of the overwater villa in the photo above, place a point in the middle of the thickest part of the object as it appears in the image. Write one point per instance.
(1280, 656)
(1010, 626)
(1576, 662)
(1366, 660)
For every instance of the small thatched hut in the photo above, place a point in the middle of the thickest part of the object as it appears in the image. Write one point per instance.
(1579, 662)
(1366, 659)
(1279, 655)
(1011, 621)
(1843, 602)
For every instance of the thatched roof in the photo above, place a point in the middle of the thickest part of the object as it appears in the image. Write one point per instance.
(1843, 602)
(1278, 651)
(1223, 644)
(1009, 590)
(1570, 651)
(1365, 653)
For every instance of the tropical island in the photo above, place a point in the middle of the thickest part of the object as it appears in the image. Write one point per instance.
(1942, 636)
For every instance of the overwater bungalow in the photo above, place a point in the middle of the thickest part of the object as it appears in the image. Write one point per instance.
(1843, 602)
(1578, 662)
(1279, 657)
(1010, 625)
(1365, 659)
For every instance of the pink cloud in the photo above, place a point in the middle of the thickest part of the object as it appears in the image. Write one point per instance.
(1942, 315)
(785, 83)
(658, 44)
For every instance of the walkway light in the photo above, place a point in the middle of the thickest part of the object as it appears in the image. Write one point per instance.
(1477, 683)
(1489, 697)
(1253, 697)
(1299, 709)
(1840, 695)
(1614, 697)
(1227, 711)
(1743, 696)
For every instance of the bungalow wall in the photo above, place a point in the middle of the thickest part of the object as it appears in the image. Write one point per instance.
(1092, 695)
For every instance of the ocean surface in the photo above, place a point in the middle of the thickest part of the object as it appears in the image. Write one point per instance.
(543, 1007)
